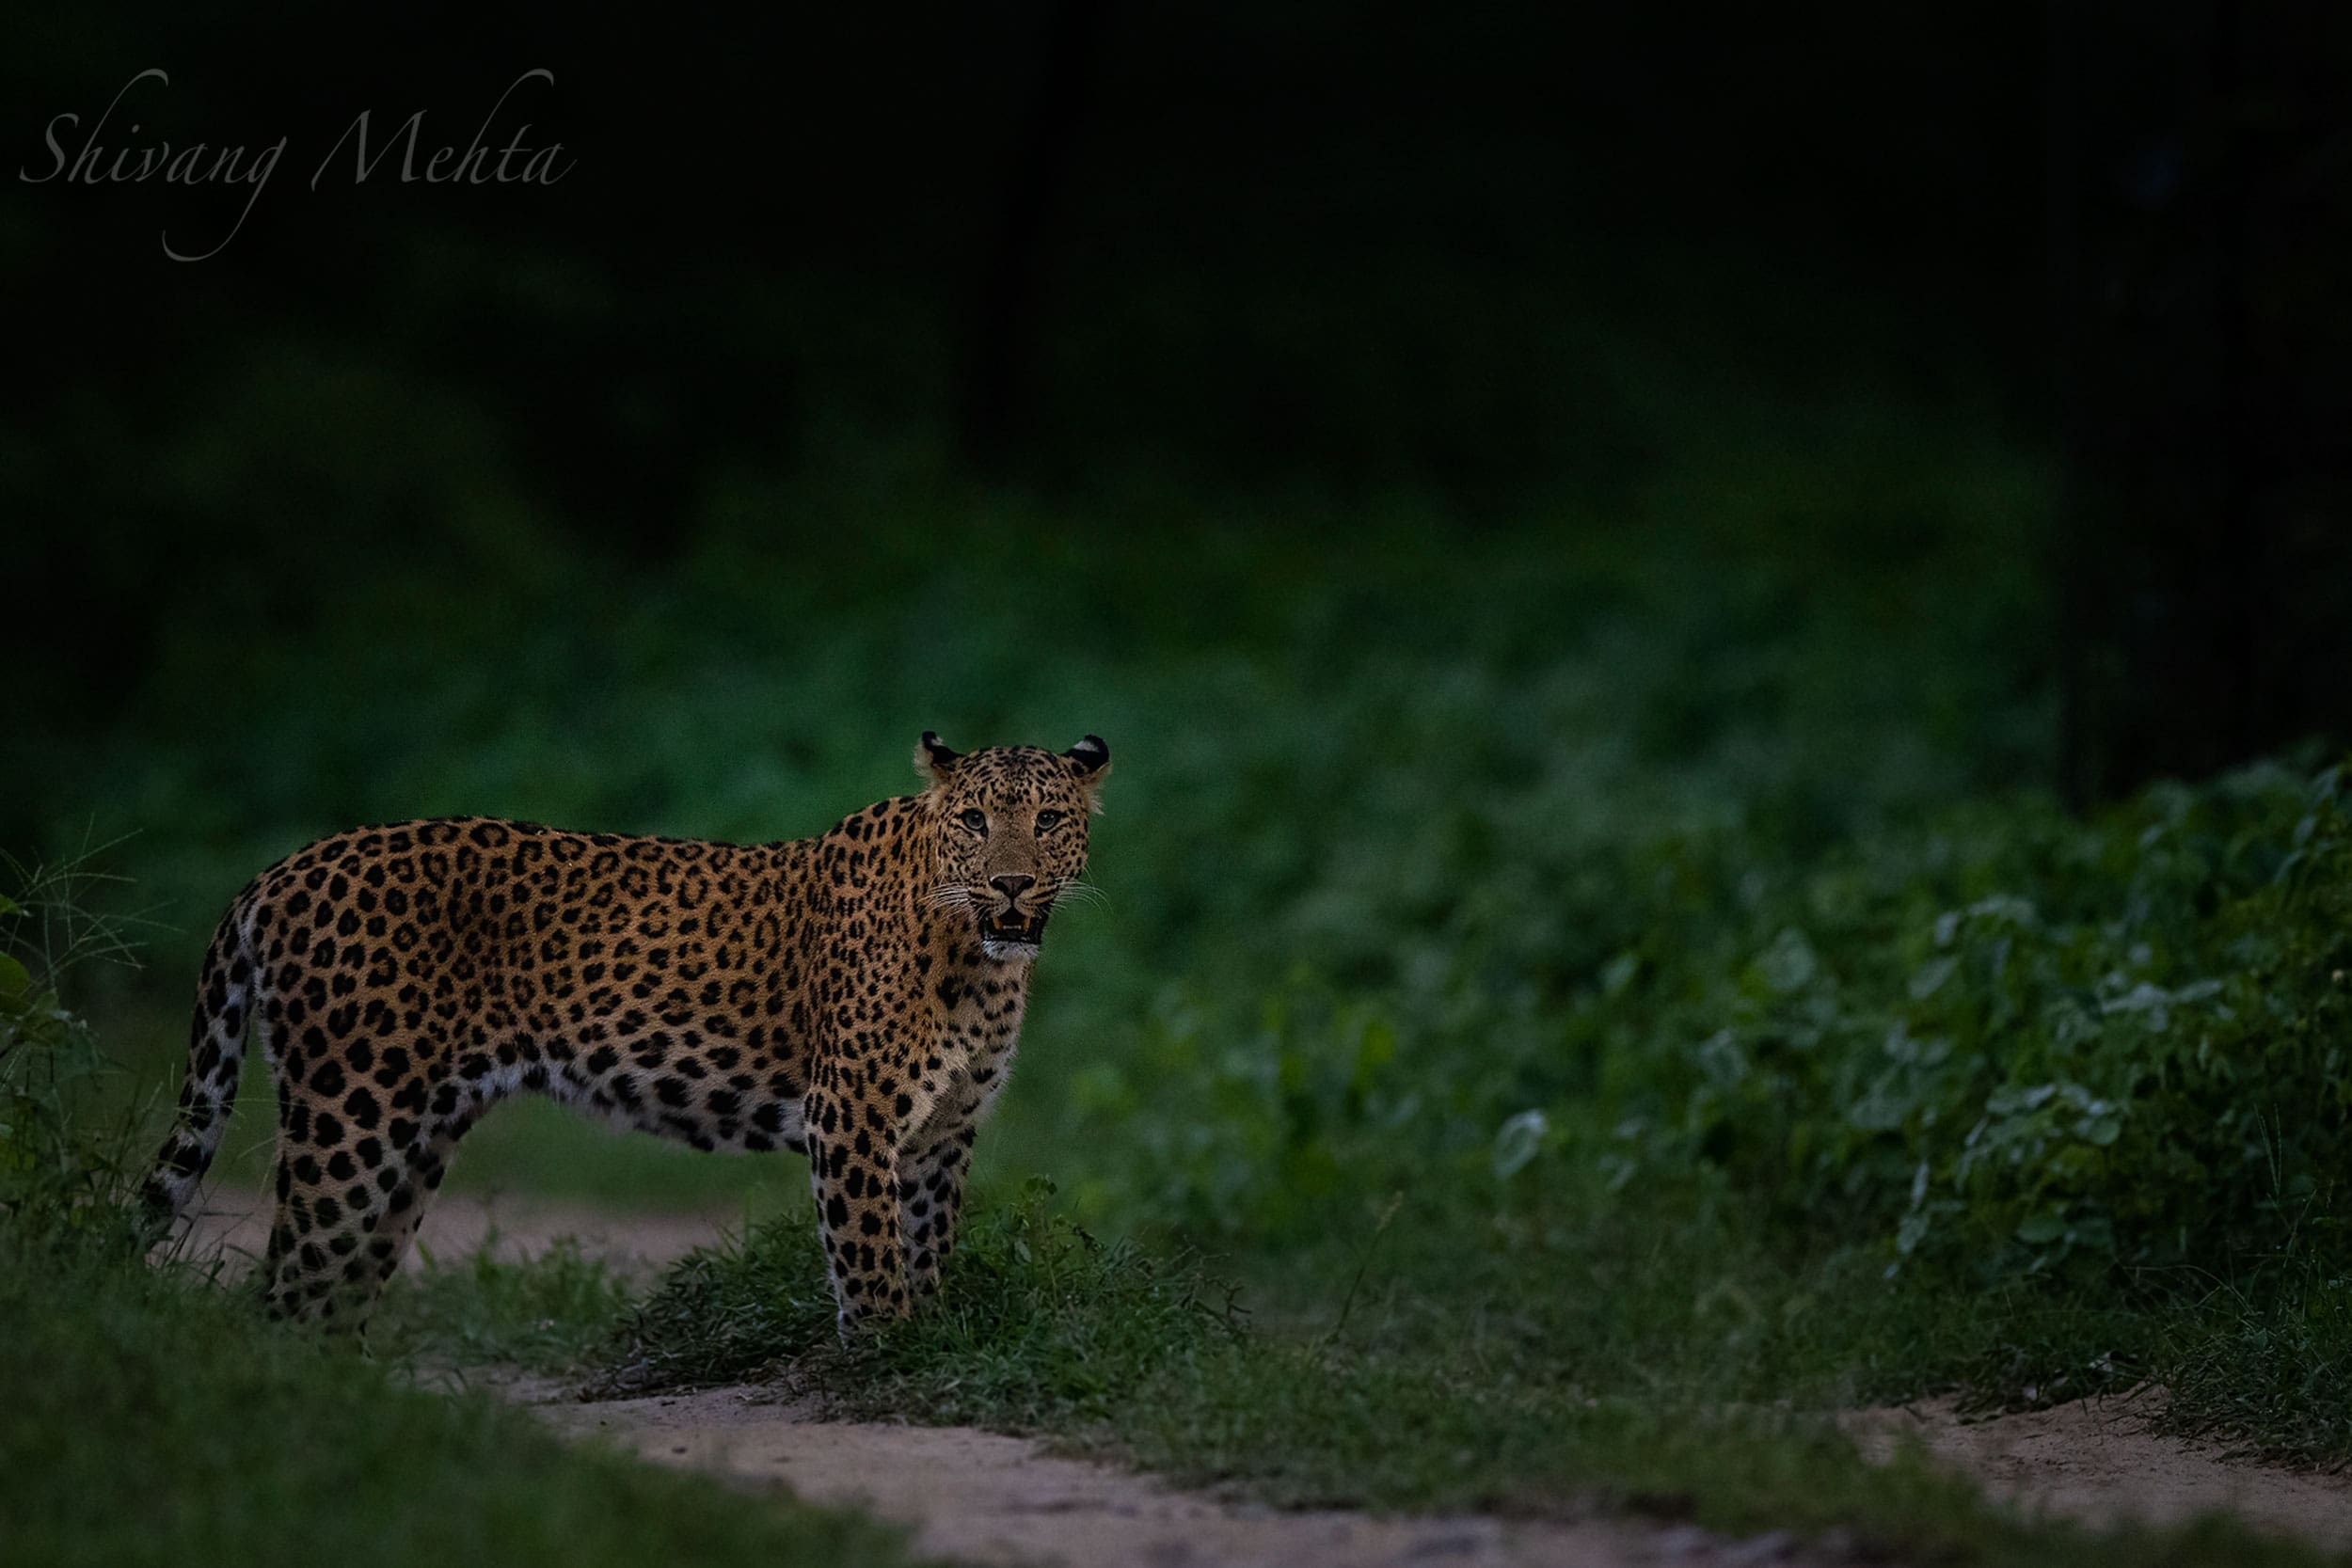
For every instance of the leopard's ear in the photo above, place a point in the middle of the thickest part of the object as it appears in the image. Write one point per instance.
(1091, 761)
(933, 759)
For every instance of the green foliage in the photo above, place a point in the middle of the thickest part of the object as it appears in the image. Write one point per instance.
(1996, 1037)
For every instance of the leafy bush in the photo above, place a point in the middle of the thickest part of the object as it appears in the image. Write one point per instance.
(2042, 1043)
(1999, 1036)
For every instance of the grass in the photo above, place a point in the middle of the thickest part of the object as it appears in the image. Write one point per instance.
(550, 1316)
(1040, 1324)
(152, 1421)
(1111, 1349)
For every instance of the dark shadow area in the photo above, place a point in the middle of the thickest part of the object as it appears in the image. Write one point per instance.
(1491, 258)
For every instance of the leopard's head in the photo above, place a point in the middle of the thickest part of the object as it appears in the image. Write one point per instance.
(1011, 835)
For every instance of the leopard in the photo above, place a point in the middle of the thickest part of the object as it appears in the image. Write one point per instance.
(854, 997)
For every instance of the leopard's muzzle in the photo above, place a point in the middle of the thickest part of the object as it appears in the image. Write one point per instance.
(1012, 932)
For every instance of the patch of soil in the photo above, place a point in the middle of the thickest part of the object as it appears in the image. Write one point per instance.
(2099, 1463)
(983, 1498)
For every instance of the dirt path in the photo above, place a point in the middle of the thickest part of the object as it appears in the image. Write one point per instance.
(2099, 1462)
(984, 1498)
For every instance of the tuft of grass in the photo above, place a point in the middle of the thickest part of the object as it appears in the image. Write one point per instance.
(2263, 1361)
(65, 1165)
(1036, 1323)
(548, 1313)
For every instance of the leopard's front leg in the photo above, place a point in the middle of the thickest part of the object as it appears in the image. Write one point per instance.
(930, 1202)
(852, 1163)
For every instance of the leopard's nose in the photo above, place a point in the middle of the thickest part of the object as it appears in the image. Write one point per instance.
(1012, 884)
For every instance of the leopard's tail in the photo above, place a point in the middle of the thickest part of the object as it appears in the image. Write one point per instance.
(227, 994)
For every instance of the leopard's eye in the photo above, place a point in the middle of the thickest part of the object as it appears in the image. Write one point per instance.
(976, 819)
(1047, 820)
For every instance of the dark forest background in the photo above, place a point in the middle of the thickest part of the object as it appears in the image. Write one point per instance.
(1312, 248)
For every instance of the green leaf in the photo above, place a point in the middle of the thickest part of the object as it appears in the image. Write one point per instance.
(1882, 1108)
(2041, 1228)
(1789, 962)
(15, 980)
(1520, 1139)
(1290, 1072)
(1375, 1049)
(1618, 973)
(1931, 977)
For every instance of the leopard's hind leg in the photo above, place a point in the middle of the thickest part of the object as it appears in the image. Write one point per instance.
(356, 1169)
(419, 1175)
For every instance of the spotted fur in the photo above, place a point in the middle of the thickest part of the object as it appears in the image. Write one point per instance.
(855, 996)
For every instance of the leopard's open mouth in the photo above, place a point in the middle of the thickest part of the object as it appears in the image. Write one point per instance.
(1012, 934)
